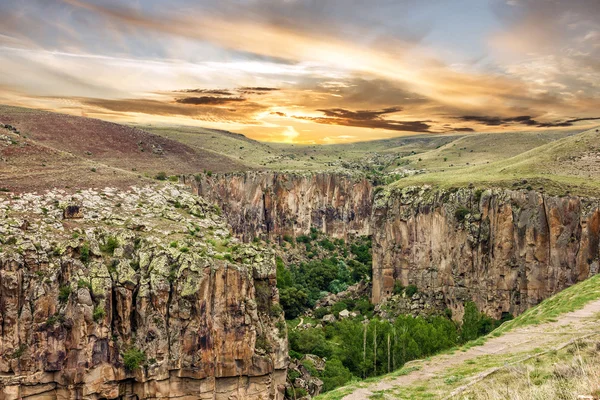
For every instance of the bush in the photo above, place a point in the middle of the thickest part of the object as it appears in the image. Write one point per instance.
(161, 176)
(111, 244)
(320, 312)
(303, 239)
(133, 358)
(338, 307)
(288, 238)
(64, 292)
(398, 287)
(461, 213)
(84, 253)
(82, 283)
(294, 301)
(99, 313)
(411, 290)
(335, 375)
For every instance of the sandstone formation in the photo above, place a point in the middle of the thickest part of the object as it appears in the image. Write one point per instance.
(146, 296)
(278, 203)
(506, 250)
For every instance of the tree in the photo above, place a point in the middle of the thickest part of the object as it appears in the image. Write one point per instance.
(470, 326)
(293, 300)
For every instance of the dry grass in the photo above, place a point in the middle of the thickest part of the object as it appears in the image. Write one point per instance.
(566, 374)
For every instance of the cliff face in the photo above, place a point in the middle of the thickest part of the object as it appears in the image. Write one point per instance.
(141, 295)
(273, 204)
(506, 250)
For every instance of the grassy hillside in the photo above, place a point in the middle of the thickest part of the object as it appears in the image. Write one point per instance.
(549, 351)
(40, 149)
(570, 165)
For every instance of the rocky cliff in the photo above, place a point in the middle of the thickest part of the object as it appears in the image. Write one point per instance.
(140, 294)
(506, 250)
(277, 204)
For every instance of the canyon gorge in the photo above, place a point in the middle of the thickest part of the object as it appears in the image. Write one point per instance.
(505, 249)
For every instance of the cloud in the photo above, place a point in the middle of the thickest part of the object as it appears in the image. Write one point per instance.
(218, 92)
(522, 120)
(209, 100)
(243, 114)
(367, 119)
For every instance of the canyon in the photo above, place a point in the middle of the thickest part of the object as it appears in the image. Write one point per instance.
(504, 249)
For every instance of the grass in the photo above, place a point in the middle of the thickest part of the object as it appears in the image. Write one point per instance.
(563, 374)
(560, 167)
(545, 381)
(571, 299)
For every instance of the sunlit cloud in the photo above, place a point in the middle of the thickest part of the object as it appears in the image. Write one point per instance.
(308, 72)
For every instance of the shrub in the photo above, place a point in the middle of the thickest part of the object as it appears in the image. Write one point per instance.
(63, 293)
(82, 283)
(411, 290)
(18, 353)
(84, 253)
(303, 239)
(288, 238)
(99, 313)
(461, 213)
(111, 244)
(320, 312)
(133, 358)
(398, 287)
(338, 307)
(161, 176)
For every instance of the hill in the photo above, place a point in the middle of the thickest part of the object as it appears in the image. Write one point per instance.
(569, 165)
(43, 149)
(548, 352)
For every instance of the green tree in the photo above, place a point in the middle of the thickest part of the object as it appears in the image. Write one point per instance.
(470, 324)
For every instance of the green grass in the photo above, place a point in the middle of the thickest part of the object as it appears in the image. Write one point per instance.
(559, 167)
(571, 299)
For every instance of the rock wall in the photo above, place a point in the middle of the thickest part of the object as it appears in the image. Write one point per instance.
(276, 204)
(134, 300)
(506, 250)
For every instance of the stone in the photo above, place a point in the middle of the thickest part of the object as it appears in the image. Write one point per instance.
(328, 319)
(72, 212)
(344, 314)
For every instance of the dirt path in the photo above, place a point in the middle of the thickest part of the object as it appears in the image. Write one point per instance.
(568, 326)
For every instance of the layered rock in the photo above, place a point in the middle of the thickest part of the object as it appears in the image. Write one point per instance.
(506, 250)
(145, 296)
(278, 203)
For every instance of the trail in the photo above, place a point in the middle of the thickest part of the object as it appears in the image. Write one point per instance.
(544, 337)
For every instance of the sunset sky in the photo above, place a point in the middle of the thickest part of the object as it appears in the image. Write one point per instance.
(308, 71)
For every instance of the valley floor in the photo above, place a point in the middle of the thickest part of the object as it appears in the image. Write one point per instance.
(474, 372)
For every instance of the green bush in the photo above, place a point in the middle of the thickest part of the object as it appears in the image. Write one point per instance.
(64, 292)
(133, 358)
(338, 307)
(84, 253)
(82, 283)
(411, 290)
(288, 238)
(461, 213)
(110, 245)
(398, 287)
(320, 312)
(99, 313)
(161, 176)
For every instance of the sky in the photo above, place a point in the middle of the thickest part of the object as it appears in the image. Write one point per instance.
(308, 71)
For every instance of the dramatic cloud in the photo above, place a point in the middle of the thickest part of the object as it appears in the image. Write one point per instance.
(523, 120)
(368, 119)
(308, 71)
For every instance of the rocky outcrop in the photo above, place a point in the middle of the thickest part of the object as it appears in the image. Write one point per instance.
(278, 203)
(146, 296)
(506, 250)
